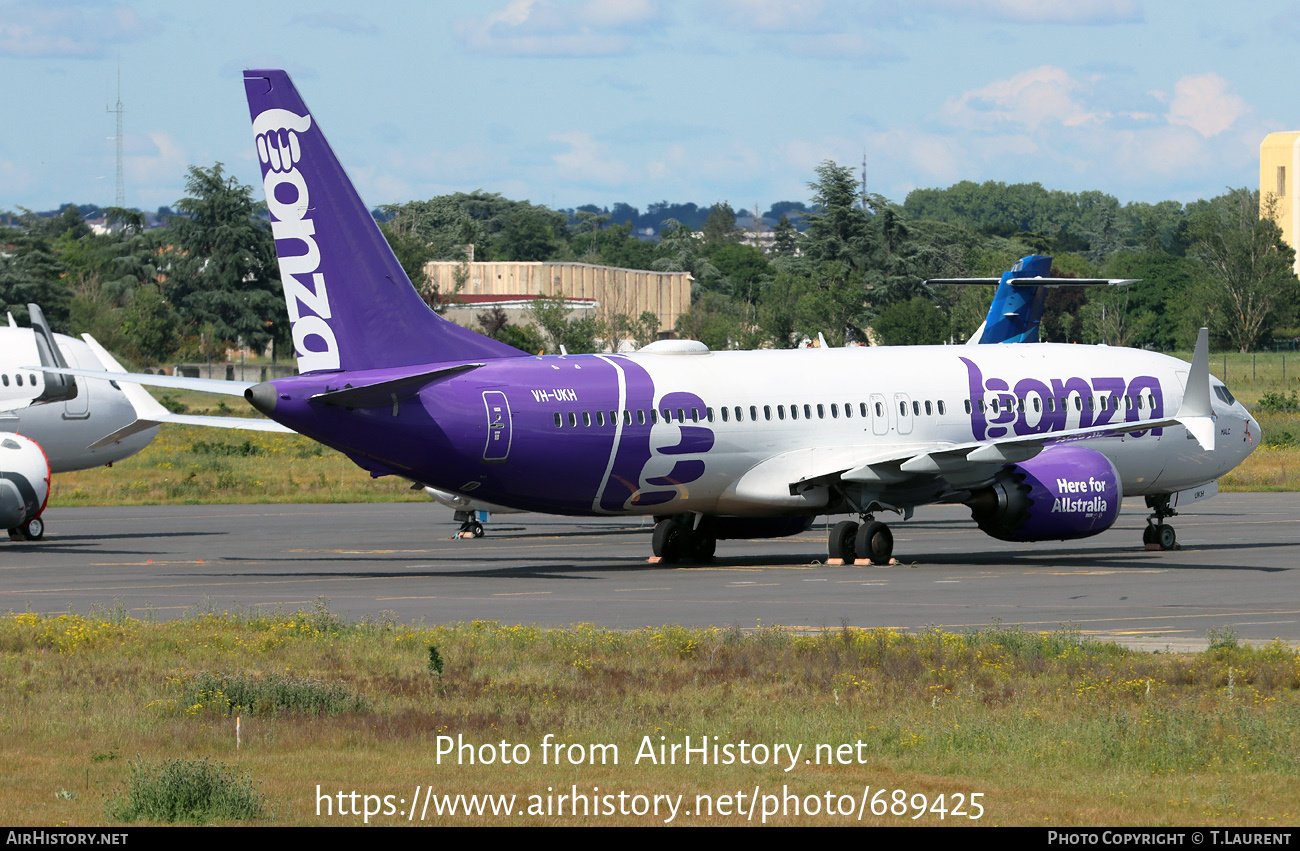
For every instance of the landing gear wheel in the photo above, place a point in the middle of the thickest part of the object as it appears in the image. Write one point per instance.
(841, 542)
(702, 546)
(874, 541)
(1158, 533)
(1165, 537)
(667, 540)
(34, 529)
(475, 529)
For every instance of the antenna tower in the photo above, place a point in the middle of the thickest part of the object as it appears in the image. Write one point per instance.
(864, 180)
(120, 200)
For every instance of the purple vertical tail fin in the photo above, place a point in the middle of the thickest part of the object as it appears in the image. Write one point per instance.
(351, 306)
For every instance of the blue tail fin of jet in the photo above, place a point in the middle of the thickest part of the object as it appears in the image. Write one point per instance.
(1017, 311)
(351, 306)
(1017, 308)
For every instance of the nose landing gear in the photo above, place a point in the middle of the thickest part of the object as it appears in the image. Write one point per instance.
(1159, 535)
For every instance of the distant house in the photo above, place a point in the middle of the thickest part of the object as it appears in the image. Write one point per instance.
(1279, 176)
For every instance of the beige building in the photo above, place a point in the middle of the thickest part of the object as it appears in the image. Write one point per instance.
(1279, 176)
(602, 291)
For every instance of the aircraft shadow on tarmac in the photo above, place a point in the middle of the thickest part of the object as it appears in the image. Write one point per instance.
(505, 565)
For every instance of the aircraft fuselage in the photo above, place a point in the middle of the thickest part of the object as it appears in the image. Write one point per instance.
(731, 433)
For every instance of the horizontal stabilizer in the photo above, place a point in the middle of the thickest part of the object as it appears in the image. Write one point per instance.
(388, 391)
(1040, 282)
(202, 385)
(242, 423)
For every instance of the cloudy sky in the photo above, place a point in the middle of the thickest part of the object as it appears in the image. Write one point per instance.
(566, 102)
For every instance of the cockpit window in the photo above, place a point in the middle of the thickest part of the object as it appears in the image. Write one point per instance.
(1224, 394)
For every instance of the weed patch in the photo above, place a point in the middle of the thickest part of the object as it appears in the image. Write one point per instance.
(227, 694)
(186, 790)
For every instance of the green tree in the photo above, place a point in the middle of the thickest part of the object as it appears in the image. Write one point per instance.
(223, 270)
(1246, 267)
(743, 268)
(576, 334)
(785, 238)
(149, 325)
(31, 271)
(720, 226)
(917, 321)
(680, 250)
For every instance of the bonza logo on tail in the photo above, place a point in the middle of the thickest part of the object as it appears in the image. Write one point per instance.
(279, 148)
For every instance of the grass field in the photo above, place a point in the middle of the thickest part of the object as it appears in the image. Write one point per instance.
(1035, 729)
(191, 464)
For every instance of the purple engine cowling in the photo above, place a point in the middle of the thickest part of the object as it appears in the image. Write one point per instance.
(1062, 493)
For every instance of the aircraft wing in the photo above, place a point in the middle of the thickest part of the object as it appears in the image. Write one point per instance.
(150, 414)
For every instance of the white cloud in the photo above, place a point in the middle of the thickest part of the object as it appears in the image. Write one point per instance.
(348, 23)
(154, 171)
(1032, 98)
(32, 30)
(1203, 103)
(560, 28)
(779, 16)
(1044, 11)
(587, 162)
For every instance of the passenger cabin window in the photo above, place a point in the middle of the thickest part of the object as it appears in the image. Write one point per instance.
(942, 409)
(558, 421)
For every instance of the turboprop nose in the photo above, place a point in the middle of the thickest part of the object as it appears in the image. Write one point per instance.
(262, 397)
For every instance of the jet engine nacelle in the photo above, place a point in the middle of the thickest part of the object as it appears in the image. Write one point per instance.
(24, 480)
(1064, 492)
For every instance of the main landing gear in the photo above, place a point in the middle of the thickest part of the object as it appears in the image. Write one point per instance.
(680, 539)
(470, 527)
(870, 541)
(32, 530)
(1159, 535)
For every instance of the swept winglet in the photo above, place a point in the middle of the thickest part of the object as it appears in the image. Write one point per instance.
(1197, 411)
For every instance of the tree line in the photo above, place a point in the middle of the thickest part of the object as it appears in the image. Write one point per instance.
(847, 264)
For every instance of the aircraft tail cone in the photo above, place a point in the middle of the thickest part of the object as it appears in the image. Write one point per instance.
(262, 397)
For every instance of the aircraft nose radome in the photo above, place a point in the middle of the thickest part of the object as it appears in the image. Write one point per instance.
(262, 397)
